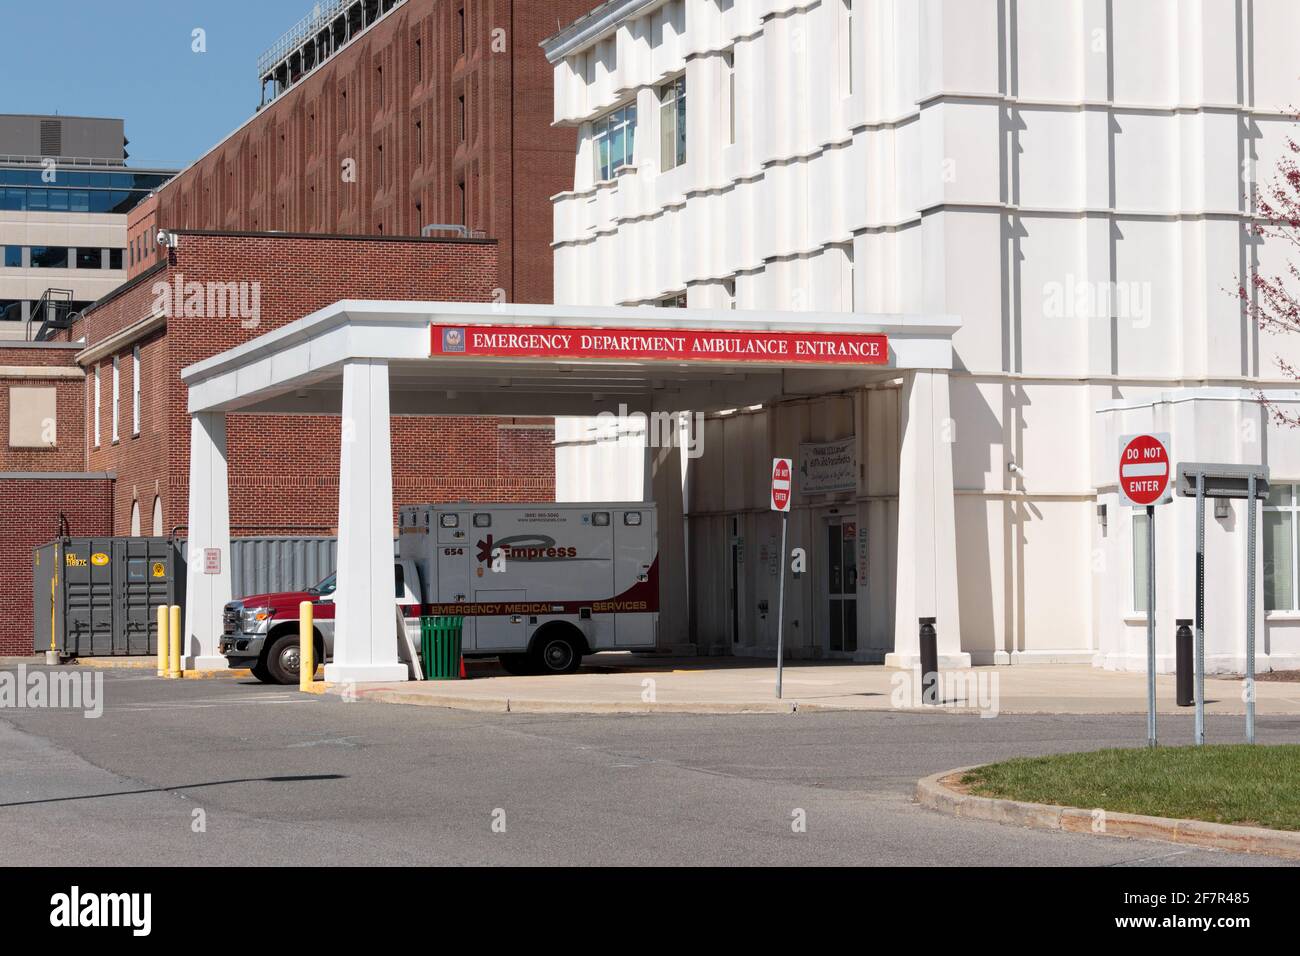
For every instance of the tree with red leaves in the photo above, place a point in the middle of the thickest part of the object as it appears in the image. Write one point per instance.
(1272, 306)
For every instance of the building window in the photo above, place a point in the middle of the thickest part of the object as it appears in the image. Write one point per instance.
(729, 84)
(672, 124)
(90, 258)
(460, 30)
(419, 60)
(846, 47)
(117, 396)
(135, 390)
(49, 257)
(613, 138)
(1281, 567)
(460, 117)
(157, 516)
(848, 292)
(460, 200)
(1140, 568)
(115, 258)
(419, 144)
(13, 257)
(675, 301)
(97, 404)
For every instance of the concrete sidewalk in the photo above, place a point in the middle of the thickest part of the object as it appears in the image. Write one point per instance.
(625, 683)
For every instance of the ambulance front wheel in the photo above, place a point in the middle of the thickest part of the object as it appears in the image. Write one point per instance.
(556, 652)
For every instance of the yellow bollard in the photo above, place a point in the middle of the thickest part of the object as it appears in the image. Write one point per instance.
(306, 647)
(54, 647)
(174, 642)
(163, 651)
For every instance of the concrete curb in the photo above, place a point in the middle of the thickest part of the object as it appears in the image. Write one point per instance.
(933, 793)
(116, 663)
(508, 705)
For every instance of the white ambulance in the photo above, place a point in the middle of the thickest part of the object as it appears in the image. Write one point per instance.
(538, 585)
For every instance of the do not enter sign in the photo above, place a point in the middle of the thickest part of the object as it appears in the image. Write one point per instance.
(781, 484)
(1145, 469)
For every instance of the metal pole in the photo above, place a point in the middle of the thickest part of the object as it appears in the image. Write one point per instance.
(780, 609)
(1151, 625)
(1200, 609)
(1250, 609)
(1183, 662)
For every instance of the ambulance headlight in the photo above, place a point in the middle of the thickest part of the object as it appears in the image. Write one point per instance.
(255, 620)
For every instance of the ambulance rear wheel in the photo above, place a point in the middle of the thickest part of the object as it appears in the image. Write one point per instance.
(556, 652)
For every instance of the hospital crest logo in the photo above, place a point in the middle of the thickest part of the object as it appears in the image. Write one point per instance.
(453, 340)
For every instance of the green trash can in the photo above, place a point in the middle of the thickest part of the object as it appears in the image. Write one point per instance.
(440, 647)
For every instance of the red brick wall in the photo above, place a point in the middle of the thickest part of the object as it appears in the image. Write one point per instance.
(29, 516)
(284, 469)
(140, 460)
(69, 453)
(283, 169)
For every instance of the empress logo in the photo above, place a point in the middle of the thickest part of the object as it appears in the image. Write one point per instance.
(524, 547)
(453, 340)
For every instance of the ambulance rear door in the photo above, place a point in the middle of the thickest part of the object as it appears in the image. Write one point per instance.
(634, 553)
(453, 559)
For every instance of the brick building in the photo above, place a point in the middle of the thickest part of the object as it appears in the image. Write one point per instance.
(285, 479)
(395, 117)
(101, 437)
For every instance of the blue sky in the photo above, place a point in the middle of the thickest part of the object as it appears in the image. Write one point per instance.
(133, 59)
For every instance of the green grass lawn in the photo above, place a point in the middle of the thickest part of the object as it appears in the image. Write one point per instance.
(1255, 786)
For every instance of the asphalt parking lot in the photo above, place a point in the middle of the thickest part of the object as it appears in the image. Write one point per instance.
(229, 771)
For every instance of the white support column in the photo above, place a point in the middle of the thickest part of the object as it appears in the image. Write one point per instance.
(208, 529)
(365, 634)
(927, 526)
(663, 484)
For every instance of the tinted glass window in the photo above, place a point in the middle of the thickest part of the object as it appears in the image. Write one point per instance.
(115, 258)
(90, 258)
(49, 257)
(13, 257)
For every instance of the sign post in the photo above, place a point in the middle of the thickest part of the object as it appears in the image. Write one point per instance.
(1145, 473)
(1201, 480)
(781, 478)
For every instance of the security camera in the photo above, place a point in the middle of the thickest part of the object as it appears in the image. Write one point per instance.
(1015, 469)
(166, 238)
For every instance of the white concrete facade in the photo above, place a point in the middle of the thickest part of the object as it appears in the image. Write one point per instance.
(1071, 178)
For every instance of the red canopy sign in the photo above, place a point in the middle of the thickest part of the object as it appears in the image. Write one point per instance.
(664, 345)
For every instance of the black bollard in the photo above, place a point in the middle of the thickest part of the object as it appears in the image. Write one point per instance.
(929, 662)
(1183, 663)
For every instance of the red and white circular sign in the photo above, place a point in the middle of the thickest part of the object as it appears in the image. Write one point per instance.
(781, 484)
(1145, 470)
